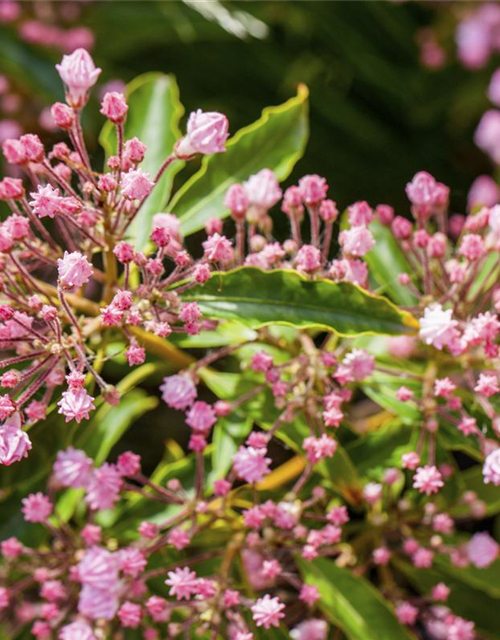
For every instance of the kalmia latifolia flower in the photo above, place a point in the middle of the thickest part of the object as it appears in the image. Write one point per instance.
(269, 475)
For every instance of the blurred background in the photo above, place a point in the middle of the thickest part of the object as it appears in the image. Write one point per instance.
(389, 96)
(395, 87)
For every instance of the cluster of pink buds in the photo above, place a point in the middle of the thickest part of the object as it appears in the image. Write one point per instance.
(49, 247)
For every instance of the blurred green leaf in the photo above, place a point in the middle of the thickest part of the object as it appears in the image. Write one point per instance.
(153, 116)
(351, 602)
(343, 475)
(275, 141)
(258, 298)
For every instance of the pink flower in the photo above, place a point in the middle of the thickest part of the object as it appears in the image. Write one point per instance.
(91, 534)
(262, 189)
(103, 487)
(309, 594)
(14, 442)
(406, 613)
(460, 629)
(410, 460)
(114, 107)
(437, 327)
(472, 247)
(218, 248)
(128, 464)
(178, 391)
(236, 200)
(183, 583)
(361, 214)
(99, 569)
(48, 203)
(78, 630)
(74, 270)
(98, 603)
(487, 385)
(428, 480)
(11, 189)
(308, 258)
(63, 116)
(11, 548)
(421, 192)
(135, 354)
(72, 468)
(251, 464)
(36, 507)
(482, 550)
(314, 629)
(487, 136)
(440, 592)
(4, 598)
(381, 555)
(201, 417)
(422, 558)
(267, 612)
(319, 448)
(359, 363)
(76, 405)
(356, 242)
(444, 388)
(206, 133)
(313, 189)
(132, 561)
(130, 615)
(79, 74)
(136, 184)
(491, 468)
(484, 192)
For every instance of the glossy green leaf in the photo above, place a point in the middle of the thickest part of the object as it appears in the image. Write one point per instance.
(275, 141)
(351, 602)
(153, 117)
(258, 298)
(386, 261)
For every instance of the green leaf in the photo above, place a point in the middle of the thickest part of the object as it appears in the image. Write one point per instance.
(382, 388)
(110, 423)
(275, 141)
(259, 298)
(343, 475)
(386, 261)
(351, 602)
(376, 451)
(153, 117)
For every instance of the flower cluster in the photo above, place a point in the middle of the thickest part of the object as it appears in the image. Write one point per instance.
(292, 493)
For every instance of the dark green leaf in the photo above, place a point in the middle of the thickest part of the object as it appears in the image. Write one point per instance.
(351, 602)
(258, 298)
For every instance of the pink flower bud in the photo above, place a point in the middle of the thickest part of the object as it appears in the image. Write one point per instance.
(79, 74)
(114, 107)
(236, 200)
(328, 211)
(313, 189)
(206, 133)
(11, 189)
(136, 184)
(134, 150)
(401, 228)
